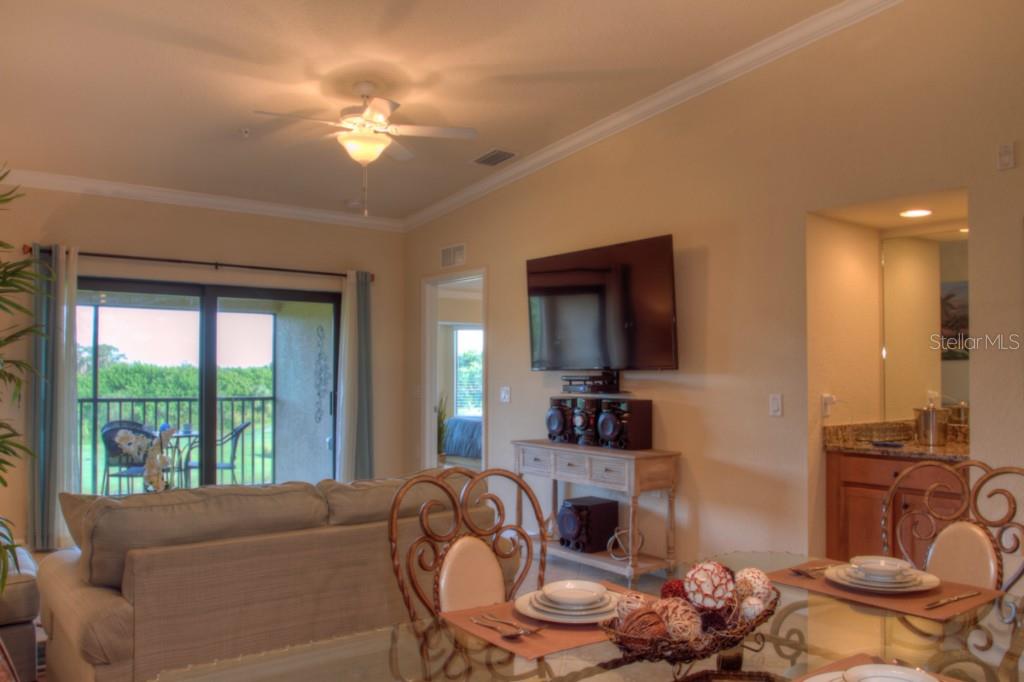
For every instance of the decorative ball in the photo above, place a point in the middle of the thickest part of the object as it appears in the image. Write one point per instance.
(681, 619)
(644, 623)
(710, 586)
(673, 588)
(751, 608)
(713, 621)
(630, 602)
(753, 582)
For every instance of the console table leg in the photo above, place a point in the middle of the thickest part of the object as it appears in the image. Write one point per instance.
(670, 537)
(634, 540)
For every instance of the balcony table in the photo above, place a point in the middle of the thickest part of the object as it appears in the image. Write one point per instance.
(808, 631)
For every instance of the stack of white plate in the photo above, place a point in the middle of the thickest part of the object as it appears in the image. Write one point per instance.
(569, 601)
(881, 574)
(874, 673)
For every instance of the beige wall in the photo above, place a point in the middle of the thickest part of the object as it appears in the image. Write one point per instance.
(139, 228)
(914, 99)
(913, 365)
(844, 341)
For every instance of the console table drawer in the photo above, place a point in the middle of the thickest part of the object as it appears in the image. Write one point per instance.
(608, 471)
(535, 460)
(571, 465)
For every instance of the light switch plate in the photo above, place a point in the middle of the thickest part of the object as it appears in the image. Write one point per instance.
(775, 405)
(1006, 157)
(505, 394)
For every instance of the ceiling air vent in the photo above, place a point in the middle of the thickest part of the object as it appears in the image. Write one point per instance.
(494, 157)
(453, 255)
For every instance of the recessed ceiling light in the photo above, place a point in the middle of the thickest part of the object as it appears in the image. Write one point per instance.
(915, 213)
(965, 229)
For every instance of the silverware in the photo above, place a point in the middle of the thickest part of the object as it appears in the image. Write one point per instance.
(503, 631)
(950, 600)
(808, 572)
(523, 629)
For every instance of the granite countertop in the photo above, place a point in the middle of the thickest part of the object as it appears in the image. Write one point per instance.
(857, 439)
(950, 452)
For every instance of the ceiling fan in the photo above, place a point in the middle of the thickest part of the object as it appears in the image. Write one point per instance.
(366, 131)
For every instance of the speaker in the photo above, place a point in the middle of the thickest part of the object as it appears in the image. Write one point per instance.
(559, 421)
(584, 420)
(625, 424)
(585, 524)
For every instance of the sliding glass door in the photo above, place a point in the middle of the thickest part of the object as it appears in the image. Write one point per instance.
(245, 377)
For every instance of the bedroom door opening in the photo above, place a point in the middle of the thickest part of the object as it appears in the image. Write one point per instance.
(455, 377)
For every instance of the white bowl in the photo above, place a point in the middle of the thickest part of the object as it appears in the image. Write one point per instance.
(885, 673)
(881, 566)
(574, 592)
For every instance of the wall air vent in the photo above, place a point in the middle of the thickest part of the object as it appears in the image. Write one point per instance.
(494, 157)
(452, 256)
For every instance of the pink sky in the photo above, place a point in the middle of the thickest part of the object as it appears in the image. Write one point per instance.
(171, 337)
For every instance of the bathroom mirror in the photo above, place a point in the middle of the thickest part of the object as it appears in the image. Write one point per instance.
(925, 320)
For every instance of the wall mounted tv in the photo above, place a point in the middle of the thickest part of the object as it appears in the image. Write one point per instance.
(610, 308)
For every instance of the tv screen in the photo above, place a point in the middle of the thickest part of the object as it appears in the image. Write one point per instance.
(612, 307)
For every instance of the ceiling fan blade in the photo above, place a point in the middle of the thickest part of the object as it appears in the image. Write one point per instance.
(295, 116)
(398, 151)
(379, 109)
(433, 131)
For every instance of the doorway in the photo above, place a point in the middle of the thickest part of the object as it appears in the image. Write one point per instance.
(455, 372)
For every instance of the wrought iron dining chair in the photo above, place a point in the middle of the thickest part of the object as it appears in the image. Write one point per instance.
(459, 564)
(232, 439)
(969, 529)
(124, 463)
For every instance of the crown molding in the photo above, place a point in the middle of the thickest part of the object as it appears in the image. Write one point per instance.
(788, 40)
(177, 197)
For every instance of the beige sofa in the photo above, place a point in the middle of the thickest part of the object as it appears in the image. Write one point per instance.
(162, 581)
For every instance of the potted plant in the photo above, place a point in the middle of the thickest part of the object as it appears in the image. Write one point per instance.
(442, 426)
(18, 279)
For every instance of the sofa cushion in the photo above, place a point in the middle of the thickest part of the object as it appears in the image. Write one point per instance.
(98, 620)
(370, 501)
(74, 506)
(112, 526)
(20, 601)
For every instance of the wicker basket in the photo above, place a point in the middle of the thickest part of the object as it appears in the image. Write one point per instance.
(661, 649)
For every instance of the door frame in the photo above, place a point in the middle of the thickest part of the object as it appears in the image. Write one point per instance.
(429, 295)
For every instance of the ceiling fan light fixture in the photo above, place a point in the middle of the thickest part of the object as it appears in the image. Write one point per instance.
(364, 147)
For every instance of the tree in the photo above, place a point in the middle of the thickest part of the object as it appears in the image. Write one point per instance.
(18, 278)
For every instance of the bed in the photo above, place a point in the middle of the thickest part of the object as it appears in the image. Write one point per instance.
(463, 437)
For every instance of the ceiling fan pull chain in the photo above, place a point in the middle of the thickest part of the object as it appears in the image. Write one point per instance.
(366, 205)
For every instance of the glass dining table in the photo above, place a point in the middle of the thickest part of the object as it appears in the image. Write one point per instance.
(806, 632)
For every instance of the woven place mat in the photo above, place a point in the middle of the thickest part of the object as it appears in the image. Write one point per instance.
(908, 604)
(555, 637)
(852, 662)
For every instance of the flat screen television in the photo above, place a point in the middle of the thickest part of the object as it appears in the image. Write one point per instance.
(609, 308)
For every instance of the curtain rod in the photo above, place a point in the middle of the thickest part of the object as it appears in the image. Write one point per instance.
(216, 265)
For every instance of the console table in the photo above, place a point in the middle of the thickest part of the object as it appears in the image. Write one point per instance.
(629, 471)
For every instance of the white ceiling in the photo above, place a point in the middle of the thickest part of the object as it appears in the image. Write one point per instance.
(948, 217)
(155, 93)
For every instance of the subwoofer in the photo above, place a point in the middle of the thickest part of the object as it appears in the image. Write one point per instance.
(559, 421)
(585, 524)
(584, 420)
(625, 424)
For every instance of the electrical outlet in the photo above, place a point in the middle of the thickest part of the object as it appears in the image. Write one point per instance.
(775, 405)
(505, 394)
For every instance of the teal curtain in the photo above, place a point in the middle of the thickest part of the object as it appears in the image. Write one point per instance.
(364, 418)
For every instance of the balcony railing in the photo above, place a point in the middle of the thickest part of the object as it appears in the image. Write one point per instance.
(254, 456)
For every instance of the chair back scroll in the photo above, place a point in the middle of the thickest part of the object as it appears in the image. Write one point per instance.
(417, 568)
(973, 492)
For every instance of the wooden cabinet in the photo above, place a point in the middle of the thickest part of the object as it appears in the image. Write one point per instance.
(857, 486)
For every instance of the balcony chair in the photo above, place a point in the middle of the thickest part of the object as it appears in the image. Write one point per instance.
(233, 438)
(120, 464)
